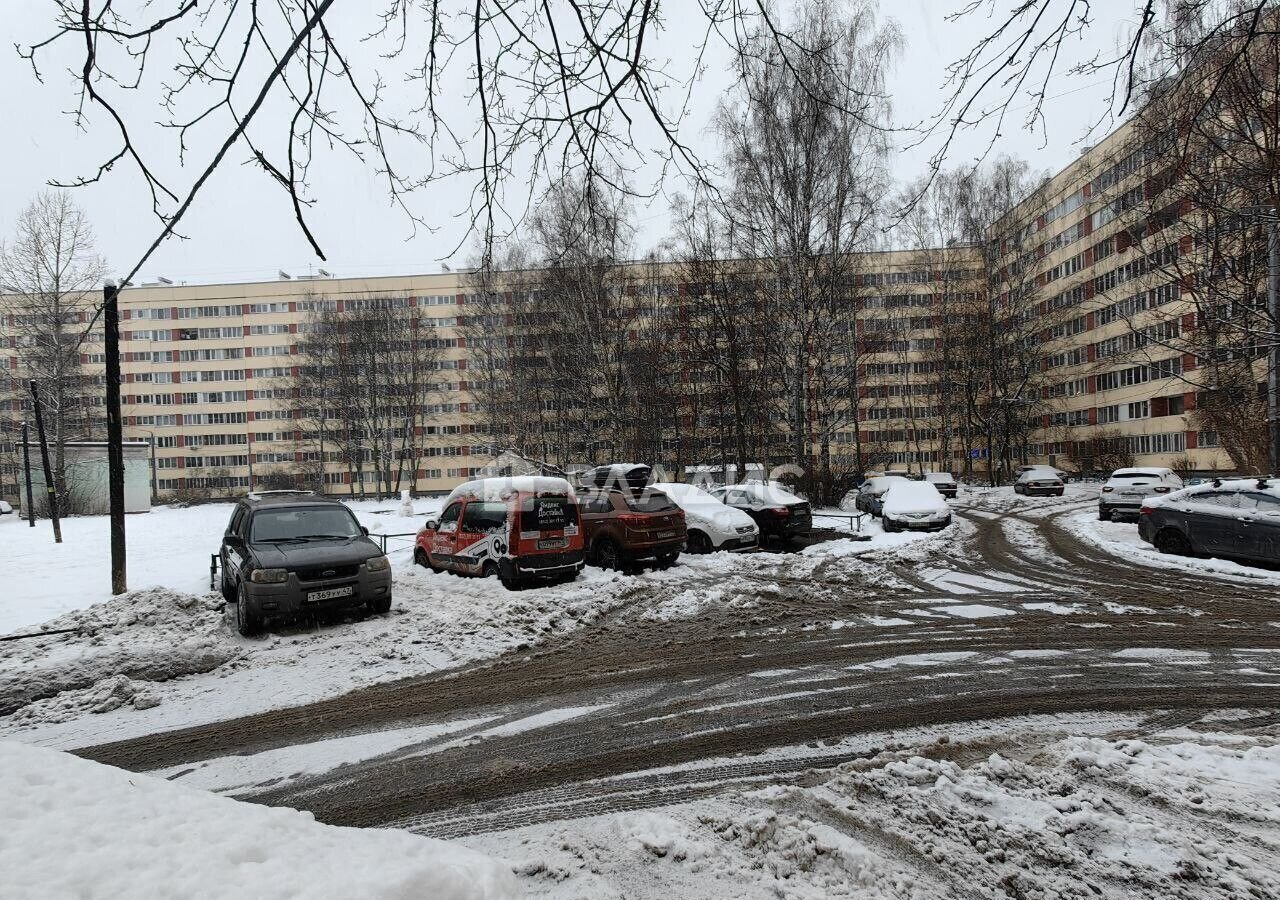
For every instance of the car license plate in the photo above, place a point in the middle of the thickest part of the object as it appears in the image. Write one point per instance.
(331, 593)
(553, 544)
(663, 535)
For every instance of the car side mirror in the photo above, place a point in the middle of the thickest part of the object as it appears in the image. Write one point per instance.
(364, 530)
(431, 525)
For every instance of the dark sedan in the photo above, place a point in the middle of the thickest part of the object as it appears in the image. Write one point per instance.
(1237, 519)
(776, 511)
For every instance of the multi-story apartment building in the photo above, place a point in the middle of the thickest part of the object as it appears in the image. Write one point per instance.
(209, 369)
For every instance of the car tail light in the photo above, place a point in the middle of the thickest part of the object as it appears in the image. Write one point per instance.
(1162, 490)
(781, 510)
(1107, 490)
(1146, 510)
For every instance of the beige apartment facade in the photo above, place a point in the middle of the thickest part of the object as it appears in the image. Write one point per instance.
(207, 368)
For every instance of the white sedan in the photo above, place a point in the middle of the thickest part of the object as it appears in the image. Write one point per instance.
(914, 505)
(711, 524)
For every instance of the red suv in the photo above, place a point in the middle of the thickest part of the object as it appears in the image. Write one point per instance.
(521, 529)
(622, 526)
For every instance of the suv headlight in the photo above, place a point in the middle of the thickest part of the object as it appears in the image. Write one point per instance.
(377, 563)
(269, 576)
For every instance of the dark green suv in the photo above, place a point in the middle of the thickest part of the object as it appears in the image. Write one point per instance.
(288, 553)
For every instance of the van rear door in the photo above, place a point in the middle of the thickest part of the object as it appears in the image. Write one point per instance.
(548, 524)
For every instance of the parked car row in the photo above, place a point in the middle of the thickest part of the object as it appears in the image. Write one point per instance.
(538, 529)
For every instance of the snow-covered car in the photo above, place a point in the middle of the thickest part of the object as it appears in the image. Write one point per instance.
(1239, 519)
(1126, 489)
(945, 482)
(776, 511)
(1040, 481)
(711, 525)
(5, 509)
(871, 492)
(914, 506)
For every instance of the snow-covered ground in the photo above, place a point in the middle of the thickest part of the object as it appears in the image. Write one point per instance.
(1064, 807)
(168, 656)
(74, 828)
(168, 547)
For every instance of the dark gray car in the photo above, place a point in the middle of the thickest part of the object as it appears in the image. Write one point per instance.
(1235, 519)
(286, 554)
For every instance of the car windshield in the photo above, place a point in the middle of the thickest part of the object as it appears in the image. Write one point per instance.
(303, 523)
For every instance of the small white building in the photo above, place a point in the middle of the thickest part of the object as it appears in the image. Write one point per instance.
(87, 477)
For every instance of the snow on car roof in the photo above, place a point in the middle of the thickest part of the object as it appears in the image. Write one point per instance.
(498, 488)
(687, 492)
(1141, 470)
(1270, 486)
(770, 491)
(912, 496)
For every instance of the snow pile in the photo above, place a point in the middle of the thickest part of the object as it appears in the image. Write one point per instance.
(73, 828)
(181, 634)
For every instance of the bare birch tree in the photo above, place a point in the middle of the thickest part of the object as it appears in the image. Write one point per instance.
(805, 146)
(51, 272)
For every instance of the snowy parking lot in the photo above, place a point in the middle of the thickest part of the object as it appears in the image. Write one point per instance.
(1028, 703)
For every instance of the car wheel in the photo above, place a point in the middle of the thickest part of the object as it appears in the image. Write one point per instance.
(228, 591)
(608, 555)
(1104, 514)
(1173, 541)
(422, 558)
(506, 575)
(667, 560)
(699, 542)
(248, 619)
(381, 606)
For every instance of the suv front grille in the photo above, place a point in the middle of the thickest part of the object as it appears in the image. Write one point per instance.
(322, 573)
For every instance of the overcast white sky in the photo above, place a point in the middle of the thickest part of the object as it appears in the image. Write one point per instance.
(243, 229)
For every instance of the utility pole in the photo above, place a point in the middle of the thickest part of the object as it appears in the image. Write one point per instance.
(26, 468)
(115, 437)
(1273, 305)
(51, 492)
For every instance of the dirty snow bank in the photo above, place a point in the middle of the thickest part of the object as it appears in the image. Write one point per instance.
(74, 828)
(1007, 810)
(197, 669)
(181, 634)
